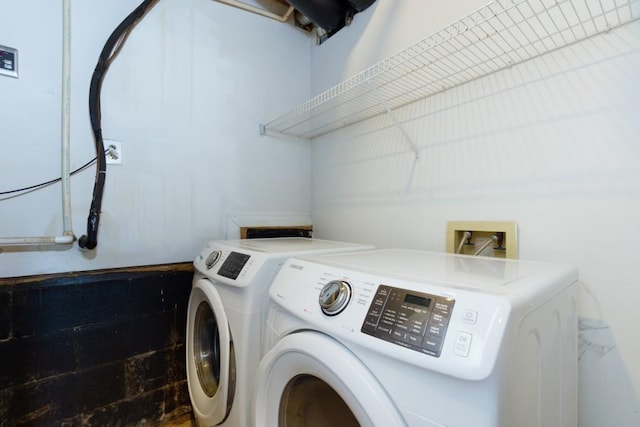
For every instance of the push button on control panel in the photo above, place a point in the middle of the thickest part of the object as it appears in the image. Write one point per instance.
(462, 344)
(470, 316)
(411, 319)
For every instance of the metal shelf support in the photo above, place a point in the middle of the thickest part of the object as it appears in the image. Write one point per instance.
(398, 125)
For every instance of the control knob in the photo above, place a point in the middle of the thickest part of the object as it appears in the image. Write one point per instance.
(334, 297)
(212, 259)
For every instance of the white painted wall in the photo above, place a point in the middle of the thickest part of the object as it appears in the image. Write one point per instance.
(551, 144)
(185, 97)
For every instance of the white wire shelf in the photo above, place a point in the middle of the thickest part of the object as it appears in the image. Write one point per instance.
(499, 35)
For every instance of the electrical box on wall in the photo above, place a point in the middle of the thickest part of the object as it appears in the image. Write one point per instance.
(8, 61)
(483, 238)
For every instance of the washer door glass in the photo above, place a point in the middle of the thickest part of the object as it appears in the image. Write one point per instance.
(309, 401)
(206, 349)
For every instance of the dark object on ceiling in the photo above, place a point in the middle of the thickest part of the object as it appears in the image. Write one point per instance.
(328, 15)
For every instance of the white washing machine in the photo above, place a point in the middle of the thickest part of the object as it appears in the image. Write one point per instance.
(408, 338)
(225, 324)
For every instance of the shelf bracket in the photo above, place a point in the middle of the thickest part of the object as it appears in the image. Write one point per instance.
(396, 122)
(266, 132)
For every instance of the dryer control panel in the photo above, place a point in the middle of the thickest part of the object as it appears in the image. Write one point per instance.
(411, 319)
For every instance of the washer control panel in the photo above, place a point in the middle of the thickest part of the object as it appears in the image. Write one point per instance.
(410, 319)
(441, 325)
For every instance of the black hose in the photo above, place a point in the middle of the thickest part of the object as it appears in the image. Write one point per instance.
(109, 51)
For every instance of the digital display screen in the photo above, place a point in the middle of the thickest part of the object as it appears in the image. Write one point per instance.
(413, 299)
(233, 265)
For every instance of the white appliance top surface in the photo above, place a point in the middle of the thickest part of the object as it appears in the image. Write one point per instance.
(478, 273)
(287, 246)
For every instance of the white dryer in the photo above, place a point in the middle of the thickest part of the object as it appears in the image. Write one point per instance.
(225, 323)
(409, 338)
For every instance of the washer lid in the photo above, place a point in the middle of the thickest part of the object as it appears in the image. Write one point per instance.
(288, 246)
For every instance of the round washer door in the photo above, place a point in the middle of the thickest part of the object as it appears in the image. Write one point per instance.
(210, 355)
(310, 379)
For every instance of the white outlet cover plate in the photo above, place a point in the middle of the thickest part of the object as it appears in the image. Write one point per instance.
(118, 148)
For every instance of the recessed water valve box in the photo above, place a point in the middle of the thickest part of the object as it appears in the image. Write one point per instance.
(485, 238)
(8, 61)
